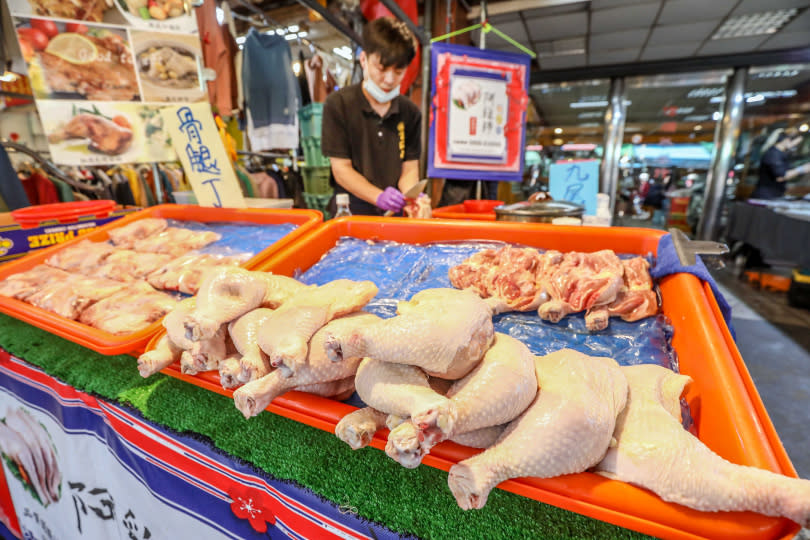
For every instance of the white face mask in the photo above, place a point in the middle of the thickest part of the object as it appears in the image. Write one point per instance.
(377, 93)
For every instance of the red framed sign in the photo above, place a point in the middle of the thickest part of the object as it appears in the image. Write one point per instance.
(478, 113)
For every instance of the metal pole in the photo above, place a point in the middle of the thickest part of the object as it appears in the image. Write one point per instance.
(615, 116)
(428, 25)
(725, 144)
(482, 45)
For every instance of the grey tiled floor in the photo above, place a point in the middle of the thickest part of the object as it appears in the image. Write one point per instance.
(774, 341)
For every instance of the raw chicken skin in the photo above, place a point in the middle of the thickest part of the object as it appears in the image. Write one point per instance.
(176, 241)
(499, 389)
(21, 286)
(128, 310)
(567, 428)
(480, 438)
(256, 395)
(655, 452)
(128, 265)
(83, 258)
(126, 236)
(637, 299)
(70, 297)
(205, 355)
(162, 356)
(185, 273)
(444, 331)
(286, 333)
(244, 332)
(280, 289)
(358, 428)
(225, 293)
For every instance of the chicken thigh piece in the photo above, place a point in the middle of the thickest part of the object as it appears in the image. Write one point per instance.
(280, 289)
(254, 396)
(205, 355)
(286, 333)
(358, 427)
(480, 438)
(443, 331)
(338, 390)
(654, 451)
(244, 332)
(226, 293)
(495, 392)
(173, 323)
(162, 356)
(404, 391)
(567, 428)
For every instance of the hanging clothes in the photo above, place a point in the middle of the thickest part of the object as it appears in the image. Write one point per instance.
(40, 189)
(65, 191)
(11, 189)
(303, 80)
(271, 92)
(216, 57)
(314, 71)
(266, 185)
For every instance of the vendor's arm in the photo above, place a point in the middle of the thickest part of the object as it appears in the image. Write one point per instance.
(354, 182)
(797, 171)
(410, 175)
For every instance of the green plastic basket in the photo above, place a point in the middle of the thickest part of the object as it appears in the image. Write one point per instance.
(312, 152)
(318, 201)
(310, 120)
(316, 180)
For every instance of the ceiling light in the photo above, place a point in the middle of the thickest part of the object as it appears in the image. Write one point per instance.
(292, 28)
(803, 128)
(698, 127)
(272, 32)
(558, 142)
(704, 91)
(290, 37)
(755, 98)
(717, 99)
(716, 115)
(557, 131)
(755, 24)
(240, 40)
(220, 15)
(774, 74)
(303, 33)
(343, 52)
(296, 67)
(590, 124)
(696, 118)
(8, 76)
(584, 104)
(592, 114)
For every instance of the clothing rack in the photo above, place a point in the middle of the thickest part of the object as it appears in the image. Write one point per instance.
(102, 191)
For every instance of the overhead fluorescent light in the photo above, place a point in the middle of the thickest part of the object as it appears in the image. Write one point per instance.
(8, 76)
(289, 37)
(590, 124)
(591, 104)
(303, 33)
(755, 24)
(716, 115)
(591, 114)
(293, 28)
(717, 99)
(803, 128)
(696, 118)
(755, 99)
(704, 92)
(240, 40)
(343, 52)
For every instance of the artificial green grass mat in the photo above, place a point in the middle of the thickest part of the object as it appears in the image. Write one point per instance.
(412, 502)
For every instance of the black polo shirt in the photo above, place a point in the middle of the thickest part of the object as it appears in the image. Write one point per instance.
(351, 129)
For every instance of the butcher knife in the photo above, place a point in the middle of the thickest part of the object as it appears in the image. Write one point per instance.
(412, 193)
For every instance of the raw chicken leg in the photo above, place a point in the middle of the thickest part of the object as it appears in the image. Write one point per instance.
(205, 355)
(173, 323)
(253, 397)
(358, 428)
(480, 438)
(244, 332)
(338, 390)
(566, 430)
(280, 289)
(403, 390)
(285, 334)
(444, 331)
(655, 452)
(126, 236)
(226, 293)
(162, 356)
(499, 389)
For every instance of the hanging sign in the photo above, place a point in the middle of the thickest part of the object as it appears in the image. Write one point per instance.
(196, 140)
(478, 113)
(576, 182)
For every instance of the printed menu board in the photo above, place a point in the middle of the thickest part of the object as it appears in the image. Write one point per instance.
(102, 70)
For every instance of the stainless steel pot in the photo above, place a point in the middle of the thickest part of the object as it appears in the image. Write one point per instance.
(539, 211)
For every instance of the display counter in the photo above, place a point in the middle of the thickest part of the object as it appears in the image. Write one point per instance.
(210, 450)
(780, 232)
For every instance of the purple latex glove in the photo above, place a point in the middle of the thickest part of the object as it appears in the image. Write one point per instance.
(391, 199)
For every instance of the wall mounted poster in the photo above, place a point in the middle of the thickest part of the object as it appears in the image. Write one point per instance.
(100, 73)
(478, 113)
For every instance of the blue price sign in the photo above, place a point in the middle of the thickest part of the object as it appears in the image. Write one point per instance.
(576, 182)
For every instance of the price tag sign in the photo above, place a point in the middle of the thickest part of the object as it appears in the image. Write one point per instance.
(196, 140)
(576, 182)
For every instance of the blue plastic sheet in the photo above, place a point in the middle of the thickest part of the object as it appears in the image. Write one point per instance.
(401, 270)
(238, 238)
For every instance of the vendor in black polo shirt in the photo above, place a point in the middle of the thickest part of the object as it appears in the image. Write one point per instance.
(369, 131)
(774, 168)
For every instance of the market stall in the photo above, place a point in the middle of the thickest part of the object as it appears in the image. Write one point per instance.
(169, 437)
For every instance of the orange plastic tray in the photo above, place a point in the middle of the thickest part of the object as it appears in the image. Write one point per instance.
(107, 343)
(728, 413)
(457, 211)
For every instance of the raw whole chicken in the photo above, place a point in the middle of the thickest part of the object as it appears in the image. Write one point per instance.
(280, 289)
(444, 331)
(24, 284)
(567, 428)
(286, 332)
(654, 451)
(131, 309)
(403, 391)
(254, 396)
(126, 236)
(581, 281)
(244, 332)
(175, 241)
(499, 389)
(82, 258)
(225, 293)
